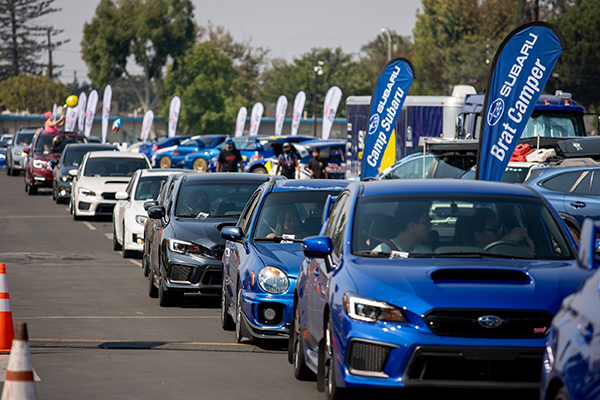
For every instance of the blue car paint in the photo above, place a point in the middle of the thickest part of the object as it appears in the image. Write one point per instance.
(147, 148)
(408, 284)
(573, 206)
(572, 357)
(177, 153)
(244, 257)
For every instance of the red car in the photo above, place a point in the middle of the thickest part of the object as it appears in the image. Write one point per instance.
(42, 155)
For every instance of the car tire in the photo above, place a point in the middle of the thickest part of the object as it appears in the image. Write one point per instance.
(240, 331)
(32, 190)
(200, 164)
(116, 245)
(165, 162)
(124, 252)
(15, 172)
(169, 298)
(8, 169)
(562, 394)
(260, 170)
(301, 370)
(145, 264)
(327, 367)
(152, 289)
(227, 322)
(54, 197)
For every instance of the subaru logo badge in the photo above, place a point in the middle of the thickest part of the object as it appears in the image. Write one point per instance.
(489, 321)
(373, 124)
(495, 112)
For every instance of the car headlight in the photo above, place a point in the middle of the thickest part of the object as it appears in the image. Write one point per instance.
(141, 219)
(183, 247)
(273, 280)
(369, 310)
(64, 178)
(39, 164)
(86, 192)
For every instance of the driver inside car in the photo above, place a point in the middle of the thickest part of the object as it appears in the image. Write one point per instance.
(288, 223)
(485, 229)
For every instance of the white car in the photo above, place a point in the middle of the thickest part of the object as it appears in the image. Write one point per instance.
(101, 175)
(129, 215)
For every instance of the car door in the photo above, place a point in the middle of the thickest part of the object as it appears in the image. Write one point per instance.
(122, 205)
(319, 275)
(237, 252)
(583, 200)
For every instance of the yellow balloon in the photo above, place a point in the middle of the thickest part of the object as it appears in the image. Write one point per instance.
(72, 101)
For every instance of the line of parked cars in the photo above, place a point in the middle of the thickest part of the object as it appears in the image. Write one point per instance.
(381, 284)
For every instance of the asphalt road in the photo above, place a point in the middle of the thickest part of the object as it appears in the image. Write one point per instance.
(95, 333)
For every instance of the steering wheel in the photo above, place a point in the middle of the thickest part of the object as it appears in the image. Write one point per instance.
(506, 243)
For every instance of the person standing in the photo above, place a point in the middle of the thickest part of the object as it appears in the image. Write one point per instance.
(288, 163)
(229, 158)
(316, 166)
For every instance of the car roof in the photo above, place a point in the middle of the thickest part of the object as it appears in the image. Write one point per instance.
(322, 142)
(226, 176)
(115, 154)
(161, 171)
(437, 186)
(91, 146)
(285, 185)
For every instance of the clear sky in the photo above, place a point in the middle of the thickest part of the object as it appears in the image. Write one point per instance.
(287, 28)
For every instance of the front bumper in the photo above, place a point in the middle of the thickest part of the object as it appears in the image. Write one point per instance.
(193, 274)
(64, 189)
(394, 355)
(18, 162)
(255, 308)
(134, 233)
(94, 206)
(41, 177)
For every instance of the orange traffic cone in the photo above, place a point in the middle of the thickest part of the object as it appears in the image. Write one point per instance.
(19, 382)
(7, 330)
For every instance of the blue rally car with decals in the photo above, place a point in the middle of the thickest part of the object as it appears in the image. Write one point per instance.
(263, 255)
(431, 283)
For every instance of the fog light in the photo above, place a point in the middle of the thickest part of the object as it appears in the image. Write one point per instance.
(269, 314)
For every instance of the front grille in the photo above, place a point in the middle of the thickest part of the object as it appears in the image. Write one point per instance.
(179, 273)
(211, 278)
(516, 324)
(105, 209)
(108, 195)
(472, 366)
(218, 251)
(367, 357)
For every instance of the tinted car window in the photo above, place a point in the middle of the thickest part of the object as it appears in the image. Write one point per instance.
(74, 155)
(208, 199)
(297, 214)
(44, 143)
(148, 187)
(24, 138)
(453, 224)
(584, 186)
(563, 182)
(595, 187)
(113, 166)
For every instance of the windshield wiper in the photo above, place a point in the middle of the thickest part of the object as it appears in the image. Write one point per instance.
(277, 239)
(482, 254)
(368, 253)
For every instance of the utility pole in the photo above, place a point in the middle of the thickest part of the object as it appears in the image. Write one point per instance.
(318, 68)
(49, 55)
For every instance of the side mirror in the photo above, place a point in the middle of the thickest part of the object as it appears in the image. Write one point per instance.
(587, 257)
(233, 233)
(156, 212)
(73, 172)
(121, 196)
(317, 246)
(149, 203)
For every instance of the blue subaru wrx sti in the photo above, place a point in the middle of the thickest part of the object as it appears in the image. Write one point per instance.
(263, 255)
(431, 283)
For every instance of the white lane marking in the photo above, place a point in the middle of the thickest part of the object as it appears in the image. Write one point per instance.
(126, 317)
(4, 367)
(109, 236)
(90, 226)
(136, 262)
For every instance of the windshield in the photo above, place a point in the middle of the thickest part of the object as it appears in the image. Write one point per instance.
(112, 166)
(74, 155)
(553, 124)
(457, 226)
(291, 216)
(218, 199)
(245, 143)
(148, 187)
(24, 138)
(45, 143)
(193, 142)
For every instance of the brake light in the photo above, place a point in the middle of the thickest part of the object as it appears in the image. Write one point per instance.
(175, 153)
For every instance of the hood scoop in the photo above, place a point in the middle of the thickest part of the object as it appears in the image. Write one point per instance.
(481, 275)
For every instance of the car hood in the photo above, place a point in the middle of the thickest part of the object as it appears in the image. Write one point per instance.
(204, 232)
(46, 157)
(423, 284)
(287, 256)
(104, 183)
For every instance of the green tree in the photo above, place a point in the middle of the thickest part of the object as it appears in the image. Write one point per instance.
(34, 93)
(151, 31)
(578, 68)
(339, 69)
(206, 82)
(376, 51)
(19, 45)
(455, 42)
